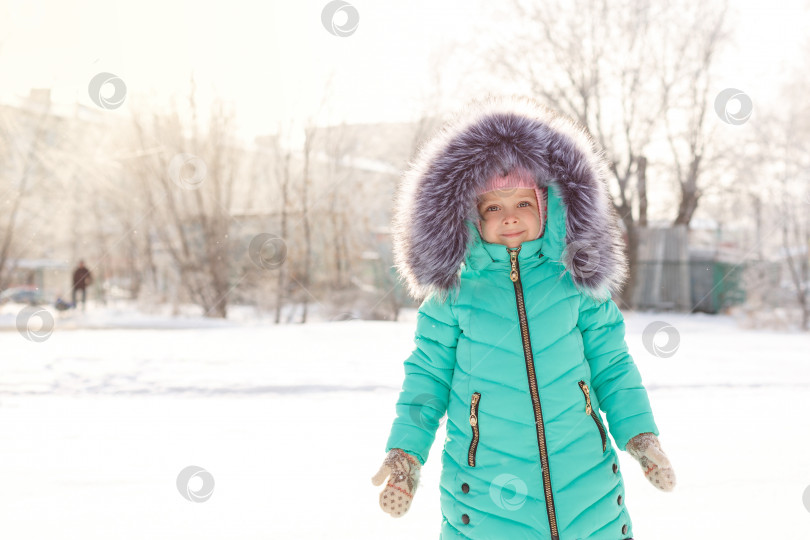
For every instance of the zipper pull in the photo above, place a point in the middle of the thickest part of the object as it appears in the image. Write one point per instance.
(473, 417)
(588, 408)
(513, 275)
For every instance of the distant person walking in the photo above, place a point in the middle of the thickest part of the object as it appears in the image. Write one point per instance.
(82, 278)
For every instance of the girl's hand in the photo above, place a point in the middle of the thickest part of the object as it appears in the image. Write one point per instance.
(398, 493)
(646, 449)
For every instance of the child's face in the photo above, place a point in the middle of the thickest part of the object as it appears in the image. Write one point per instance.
(509, 217)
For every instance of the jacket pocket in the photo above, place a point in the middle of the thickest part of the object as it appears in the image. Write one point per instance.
(476, 398)
(589, 410)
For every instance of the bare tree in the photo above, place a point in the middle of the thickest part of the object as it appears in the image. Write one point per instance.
(795, 237)
(618, 69)
(283, 174)
(338, 148)
(187, 177)
(24, 150)
(305, 276)
(691, 143)
(769, 190)
(790, 151)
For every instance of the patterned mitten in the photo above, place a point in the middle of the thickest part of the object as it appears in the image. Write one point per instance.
(646, 449)
(398, 493)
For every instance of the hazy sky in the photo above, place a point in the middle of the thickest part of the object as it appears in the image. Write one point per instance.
(272, 58)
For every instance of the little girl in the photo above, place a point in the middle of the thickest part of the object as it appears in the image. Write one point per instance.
(504, 228)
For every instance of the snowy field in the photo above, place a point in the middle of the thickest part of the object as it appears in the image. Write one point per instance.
(291, 422)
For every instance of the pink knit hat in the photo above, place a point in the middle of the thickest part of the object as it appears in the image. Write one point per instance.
(516, 179)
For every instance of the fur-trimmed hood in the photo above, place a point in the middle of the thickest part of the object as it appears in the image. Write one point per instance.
(435, 205)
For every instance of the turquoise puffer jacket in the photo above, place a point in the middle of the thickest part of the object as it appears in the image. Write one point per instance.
(523, 369)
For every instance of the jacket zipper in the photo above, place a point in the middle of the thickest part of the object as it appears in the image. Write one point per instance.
(474, 423)
(589, 410)
(514, 275)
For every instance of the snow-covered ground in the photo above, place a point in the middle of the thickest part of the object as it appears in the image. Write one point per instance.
(291, 422)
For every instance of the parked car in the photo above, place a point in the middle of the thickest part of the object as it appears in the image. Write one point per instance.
(26, 294)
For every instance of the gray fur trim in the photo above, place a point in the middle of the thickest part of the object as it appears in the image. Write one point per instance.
(495, 134)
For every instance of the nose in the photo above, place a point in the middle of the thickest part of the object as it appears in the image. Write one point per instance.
(509, 217)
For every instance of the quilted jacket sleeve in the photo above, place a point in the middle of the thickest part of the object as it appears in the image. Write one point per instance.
(614, 376)
(428, 374)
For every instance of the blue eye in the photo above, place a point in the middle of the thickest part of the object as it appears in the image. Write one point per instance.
(527, 202)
